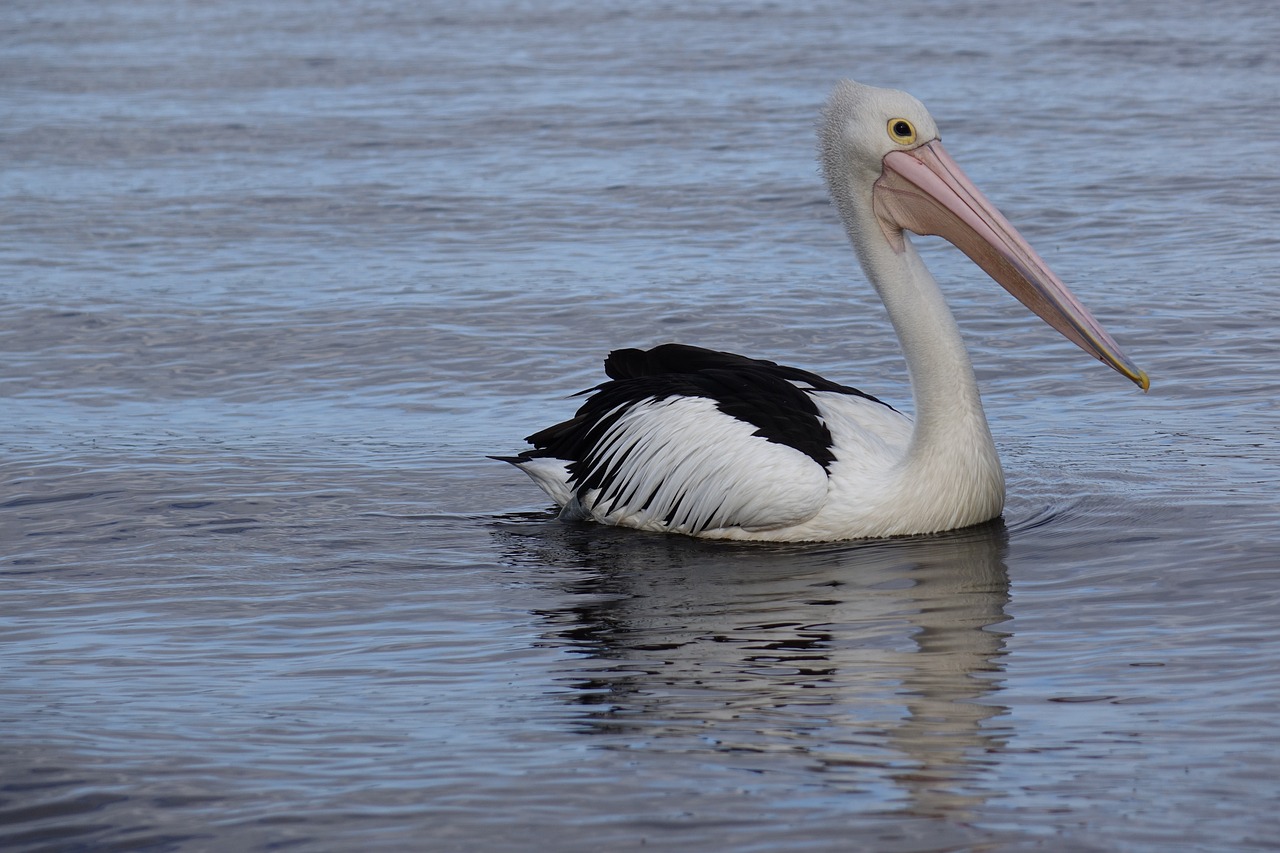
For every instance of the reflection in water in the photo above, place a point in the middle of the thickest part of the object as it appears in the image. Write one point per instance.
(856, 666)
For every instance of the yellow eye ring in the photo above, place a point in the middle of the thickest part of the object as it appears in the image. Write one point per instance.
(902, 131)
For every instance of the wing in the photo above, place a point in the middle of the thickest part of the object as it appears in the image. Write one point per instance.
(682, 359)
(684, 439)
(680, 464)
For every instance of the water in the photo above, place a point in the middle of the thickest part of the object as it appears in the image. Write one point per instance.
(276, 277)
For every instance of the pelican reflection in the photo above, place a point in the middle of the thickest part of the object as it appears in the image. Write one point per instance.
(849, 665)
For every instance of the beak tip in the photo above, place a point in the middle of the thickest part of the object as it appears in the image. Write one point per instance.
(1143, 381)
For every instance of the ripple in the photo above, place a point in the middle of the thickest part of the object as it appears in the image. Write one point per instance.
(268, 308)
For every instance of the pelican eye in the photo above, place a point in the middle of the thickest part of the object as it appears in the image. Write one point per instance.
(902, 131)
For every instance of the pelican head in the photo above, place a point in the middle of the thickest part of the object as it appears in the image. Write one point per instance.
(883, 159)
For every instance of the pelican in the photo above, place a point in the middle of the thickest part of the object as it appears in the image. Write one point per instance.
(711, 444)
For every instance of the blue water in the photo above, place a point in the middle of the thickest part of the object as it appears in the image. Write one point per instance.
(275, 278)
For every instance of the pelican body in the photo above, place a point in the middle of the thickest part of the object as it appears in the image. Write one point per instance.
(693, 441)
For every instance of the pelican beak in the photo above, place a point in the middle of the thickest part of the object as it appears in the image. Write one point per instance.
(923, 190)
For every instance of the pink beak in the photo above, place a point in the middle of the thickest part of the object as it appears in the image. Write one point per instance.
(924, 191)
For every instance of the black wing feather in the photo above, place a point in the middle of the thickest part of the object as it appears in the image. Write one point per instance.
(682, 358)
(761, 393)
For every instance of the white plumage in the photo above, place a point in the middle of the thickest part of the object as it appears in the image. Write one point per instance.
(704, 443)
(677, 465)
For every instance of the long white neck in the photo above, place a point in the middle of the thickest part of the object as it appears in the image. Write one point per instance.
(951, 453)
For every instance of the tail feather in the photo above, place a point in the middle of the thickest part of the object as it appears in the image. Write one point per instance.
(551, 475)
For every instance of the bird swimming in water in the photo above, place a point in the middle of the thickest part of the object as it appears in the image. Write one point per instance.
(711, 444)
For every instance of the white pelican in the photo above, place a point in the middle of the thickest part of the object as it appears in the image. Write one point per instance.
(688, 440)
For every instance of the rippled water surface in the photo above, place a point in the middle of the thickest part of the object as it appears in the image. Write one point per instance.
(275, 277)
